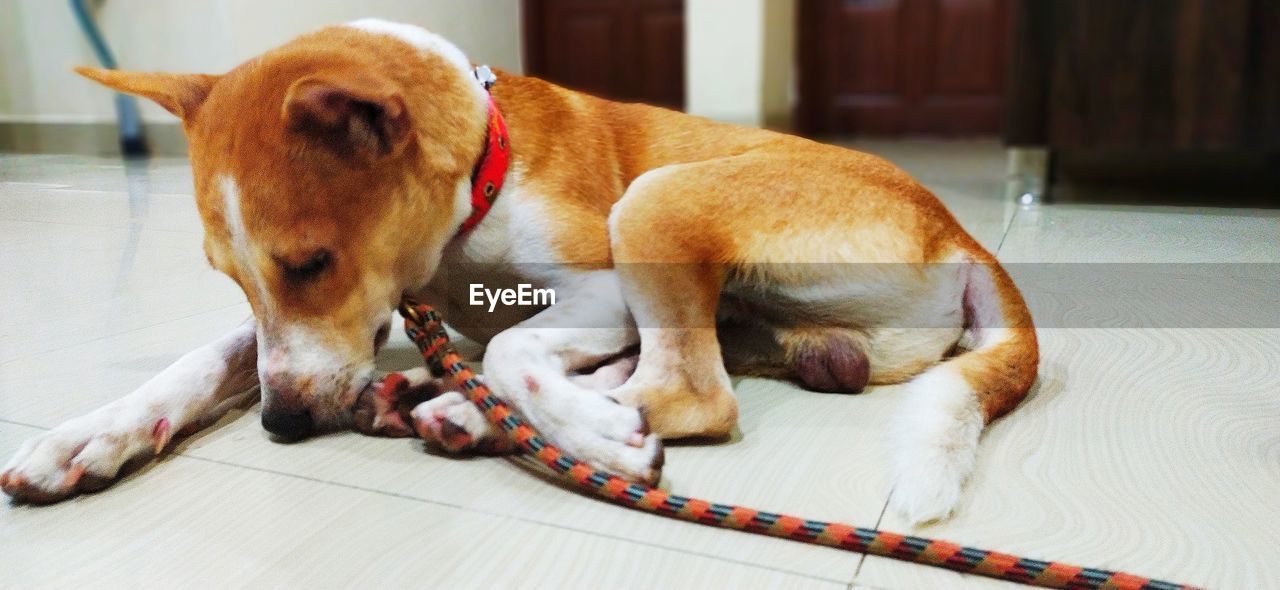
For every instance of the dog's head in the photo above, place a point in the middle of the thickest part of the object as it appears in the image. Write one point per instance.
(329, 175)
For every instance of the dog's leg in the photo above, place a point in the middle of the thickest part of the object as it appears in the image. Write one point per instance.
(453, 423)
(681, 379)
(672, 288)
(86, 453)
(529, 365)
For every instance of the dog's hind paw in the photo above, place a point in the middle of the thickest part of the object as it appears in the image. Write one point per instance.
(640, 463)
(621, 444)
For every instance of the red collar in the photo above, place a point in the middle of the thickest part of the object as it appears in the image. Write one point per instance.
(491, 168)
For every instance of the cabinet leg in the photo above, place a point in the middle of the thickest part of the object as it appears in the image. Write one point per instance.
(1027, 182)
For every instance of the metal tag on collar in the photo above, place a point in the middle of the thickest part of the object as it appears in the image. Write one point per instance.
(485, 76)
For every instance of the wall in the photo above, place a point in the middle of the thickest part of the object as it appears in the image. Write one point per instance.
(741, 55)
(779, 93)
(40, 42)
(741, 60)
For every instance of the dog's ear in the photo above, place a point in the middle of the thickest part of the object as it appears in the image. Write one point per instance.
(180, 94)
(352, 115)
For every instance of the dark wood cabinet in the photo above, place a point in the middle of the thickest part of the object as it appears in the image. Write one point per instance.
(902, 67)
(1141, 74)
(629, 50)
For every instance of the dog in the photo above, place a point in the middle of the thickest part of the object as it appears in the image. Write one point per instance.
(338, 173)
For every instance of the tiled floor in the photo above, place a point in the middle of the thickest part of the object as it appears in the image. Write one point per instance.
(1148, 447)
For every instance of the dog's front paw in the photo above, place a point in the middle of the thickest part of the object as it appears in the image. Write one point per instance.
(81, 455)
(383, 409)
(454, 424)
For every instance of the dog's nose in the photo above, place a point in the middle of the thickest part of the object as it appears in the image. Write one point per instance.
(287, 424)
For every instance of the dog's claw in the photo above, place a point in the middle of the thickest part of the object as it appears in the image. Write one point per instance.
(655, 468)
(422, 429)
(637, 438)
(160, 434)
(453, 436)
(73, 476)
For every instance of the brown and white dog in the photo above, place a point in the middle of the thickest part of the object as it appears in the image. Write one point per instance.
(333, 174)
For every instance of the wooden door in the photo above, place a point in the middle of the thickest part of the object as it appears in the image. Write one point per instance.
(903, 67)
(630, 50)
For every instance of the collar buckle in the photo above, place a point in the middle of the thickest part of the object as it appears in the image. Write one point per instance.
(485, 76)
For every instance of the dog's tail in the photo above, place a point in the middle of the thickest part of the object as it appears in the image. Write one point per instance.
(934, 437)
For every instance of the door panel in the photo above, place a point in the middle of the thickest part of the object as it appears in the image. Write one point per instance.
(590, 70)
(898, 67)
(867, 38)
(969, 48)
(660, 45)
(629, 50)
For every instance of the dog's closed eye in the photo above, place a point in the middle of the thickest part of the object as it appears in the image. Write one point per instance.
(308, 268)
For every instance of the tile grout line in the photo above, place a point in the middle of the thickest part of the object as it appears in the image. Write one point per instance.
(884, 509)
(116, 334)
(23, 424)
(471, 510)
(1008, 228)
(98, 226)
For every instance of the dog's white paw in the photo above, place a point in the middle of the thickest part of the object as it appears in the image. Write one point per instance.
(612, 437)
(611, 420)
(455, 424)
(84, 454)
(638, 460)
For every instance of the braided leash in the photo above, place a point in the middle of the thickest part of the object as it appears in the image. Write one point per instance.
(425, 327)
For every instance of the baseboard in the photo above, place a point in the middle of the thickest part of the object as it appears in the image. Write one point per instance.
(94, 139)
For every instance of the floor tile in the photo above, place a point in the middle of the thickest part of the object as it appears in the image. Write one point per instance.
(798, 452)
(93, 369)
(198, 524)
(161, 175)
(142, 209)
(810, 454)
(66, 283)
(1131, 234)
(1152, 451)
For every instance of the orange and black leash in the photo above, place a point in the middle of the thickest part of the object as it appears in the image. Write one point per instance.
(426, 328)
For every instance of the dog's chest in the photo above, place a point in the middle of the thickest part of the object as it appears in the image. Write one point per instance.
(505, 253)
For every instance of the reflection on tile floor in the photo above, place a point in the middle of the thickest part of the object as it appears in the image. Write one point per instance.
(1153, 449)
